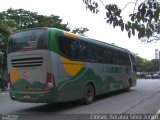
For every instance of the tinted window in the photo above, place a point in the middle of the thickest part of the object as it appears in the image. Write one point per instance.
(28, 40)
(68, 47)
(76, 49)
(80, 50)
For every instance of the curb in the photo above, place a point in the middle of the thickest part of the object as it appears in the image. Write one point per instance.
(5, 91)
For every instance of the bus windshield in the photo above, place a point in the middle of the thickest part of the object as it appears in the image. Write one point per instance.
(28, 40)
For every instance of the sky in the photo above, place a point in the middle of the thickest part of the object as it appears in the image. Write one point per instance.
(74, 12)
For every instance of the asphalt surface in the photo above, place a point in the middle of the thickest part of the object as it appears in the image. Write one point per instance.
(142, 99)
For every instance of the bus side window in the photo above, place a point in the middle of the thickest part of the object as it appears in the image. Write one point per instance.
(82, 51)
(74, 50)
(86, 51)
(91, 52)
(67, 47)
(108, 56)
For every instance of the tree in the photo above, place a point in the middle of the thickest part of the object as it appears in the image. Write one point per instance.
(145, 21)
(6, 27)
(80, 31)
(26, 19)
(155, 65)
(145, 65)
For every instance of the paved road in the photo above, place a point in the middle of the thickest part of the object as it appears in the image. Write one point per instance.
(142, 99)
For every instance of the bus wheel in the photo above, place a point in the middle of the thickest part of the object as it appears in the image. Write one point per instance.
(129, 86)
(89, 94)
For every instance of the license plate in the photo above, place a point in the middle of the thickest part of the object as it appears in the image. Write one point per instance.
(27, 97)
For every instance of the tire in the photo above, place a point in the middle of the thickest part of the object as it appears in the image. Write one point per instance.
(89, 94)
(129, 86)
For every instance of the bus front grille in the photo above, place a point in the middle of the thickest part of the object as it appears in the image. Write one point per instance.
(27, 62)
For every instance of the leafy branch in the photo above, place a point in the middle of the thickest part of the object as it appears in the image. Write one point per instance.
(143, 22)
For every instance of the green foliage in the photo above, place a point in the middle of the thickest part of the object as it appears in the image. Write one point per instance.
(145, 65)
(92, 6)
(143, 21)
(27, 19)
(80, 31)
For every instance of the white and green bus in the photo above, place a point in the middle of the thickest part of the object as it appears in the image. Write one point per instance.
(48, 65)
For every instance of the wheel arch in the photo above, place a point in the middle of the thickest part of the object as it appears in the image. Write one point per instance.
(94, 86)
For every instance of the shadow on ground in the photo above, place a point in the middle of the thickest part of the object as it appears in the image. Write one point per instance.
(60, 107)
